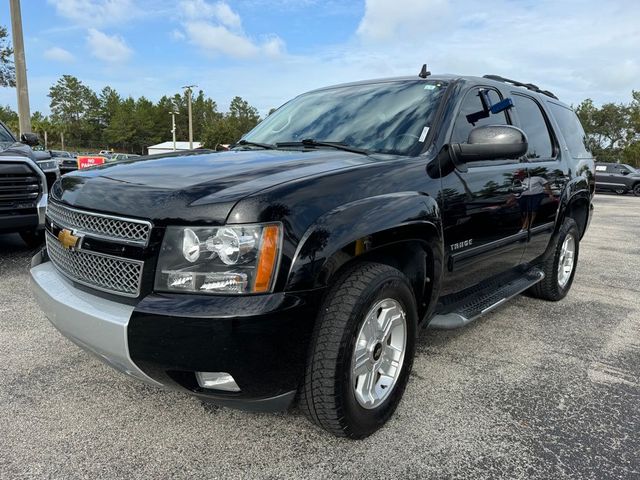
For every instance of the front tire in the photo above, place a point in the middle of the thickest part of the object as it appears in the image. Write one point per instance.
(560, 267)
(361, 351)
(620, 191)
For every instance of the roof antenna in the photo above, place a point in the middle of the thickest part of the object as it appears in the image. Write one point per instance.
(424, 73)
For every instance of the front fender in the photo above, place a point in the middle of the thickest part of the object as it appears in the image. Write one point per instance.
(358, 227)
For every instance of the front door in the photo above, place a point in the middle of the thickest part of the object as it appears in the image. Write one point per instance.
(483, 229)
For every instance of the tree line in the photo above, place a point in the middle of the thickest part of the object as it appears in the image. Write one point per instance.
(613, 130)
(90, 120)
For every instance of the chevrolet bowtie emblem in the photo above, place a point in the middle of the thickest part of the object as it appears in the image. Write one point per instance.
(67, 239)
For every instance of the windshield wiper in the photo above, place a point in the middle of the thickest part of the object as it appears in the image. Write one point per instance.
(266, 146)
(310, 142)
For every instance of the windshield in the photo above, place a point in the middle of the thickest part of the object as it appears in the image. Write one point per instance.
(392, 117)
(56, 153)
(5, 136)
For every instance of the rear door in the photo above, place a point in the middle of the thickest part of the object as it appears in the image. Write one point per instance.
(481, 215)
(547, 173)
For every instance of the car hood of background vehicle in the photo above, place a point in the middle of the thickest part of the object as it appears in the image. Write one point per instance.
(202, 188)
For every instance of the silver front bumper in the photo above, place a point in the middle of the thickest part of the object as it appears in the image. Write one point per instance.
(96, 324)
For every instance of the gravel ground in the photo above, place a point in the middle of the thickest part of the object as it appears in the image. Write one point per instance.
(533, 390)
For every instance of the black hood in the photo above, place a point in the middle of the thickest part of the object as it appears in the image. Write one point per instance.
(202, 188)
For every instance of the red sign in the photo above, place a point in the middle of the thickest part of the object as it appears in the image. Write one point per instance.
(85, 161)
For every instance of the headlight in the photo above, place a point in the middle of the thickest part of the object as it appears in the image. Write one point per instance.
(229, 259)
(48, 164)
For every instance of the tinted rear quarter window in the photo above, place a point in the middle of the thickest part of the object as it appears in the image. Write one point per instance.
(571, 130)
(534, 124)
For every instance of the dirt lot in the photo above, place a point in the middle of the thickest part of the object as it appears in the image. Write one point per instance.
(533, 390)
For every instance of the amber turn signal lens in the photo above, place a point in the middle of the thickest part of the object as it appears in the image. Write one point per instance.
(268, 258)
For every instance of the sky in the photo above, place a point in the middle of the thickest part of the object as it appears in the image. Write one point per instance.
(268, 51)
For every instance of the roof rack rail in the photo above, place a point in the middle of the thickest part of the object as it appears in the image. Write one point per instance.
(529, 86)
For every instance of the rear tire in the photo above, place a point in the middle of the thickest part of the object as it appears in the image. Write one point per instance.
(636, 189)
(558, 278)
(33, 238)
(620, 191)
(332, 395)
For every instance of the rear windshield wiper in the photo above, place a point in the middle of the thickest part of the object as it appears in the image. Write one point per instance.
(309, 142)
(266, 146)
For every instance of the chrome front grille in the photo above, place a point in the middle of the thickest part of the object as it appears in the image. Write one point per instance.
(19, 187)
(122, 276)
(108, 227)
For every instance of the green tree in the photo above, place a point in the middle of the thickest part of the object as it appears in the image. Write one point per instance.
(120, 132)
(145, 133)
(75, 108)
(607, 128)
(9, 117)
(40, 124)
(205, 113)
(230, 127)
(7, 68)
(108, 101)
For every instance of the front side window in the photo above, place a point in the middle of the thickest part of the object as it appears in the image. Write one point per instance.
(533, 123)
(392, 117)
(472, 104)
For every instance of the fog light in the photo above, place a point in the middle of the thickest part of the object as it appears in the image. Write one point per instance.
(217, 381)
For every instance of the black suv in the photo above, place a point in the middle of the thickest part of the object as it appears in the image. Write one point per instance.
(26, 177)
(303, 262)
(617, 177)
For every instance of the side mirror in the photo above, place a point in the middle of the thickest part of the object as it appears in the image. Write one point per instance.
(624, 172)
(491, 142)
(30, 139)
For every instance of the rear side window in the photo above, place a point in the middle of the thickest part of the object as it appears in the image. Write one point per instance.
(470, 105)
(571, 131)
(533, 122)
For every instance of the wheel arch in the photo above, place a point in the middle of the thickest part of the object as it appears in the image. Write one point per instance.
(578, 208)
(400, 230)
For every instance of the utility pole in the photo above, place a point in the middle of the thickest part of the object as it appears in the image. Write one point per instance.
(187, 90)
(24, 115)
(62, 140)
(173, 127)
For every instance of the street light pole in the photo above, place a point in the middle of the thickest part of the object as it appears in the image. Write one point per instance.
(187, 89)
(173, 127)
(24, 115)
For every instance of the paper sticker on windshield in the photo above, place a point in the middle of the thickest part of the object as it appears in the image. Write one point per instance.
(423, 135)
(429, 86)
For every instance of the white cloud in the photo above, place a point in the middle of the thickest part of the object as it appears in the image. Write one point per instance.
(110, 48)
(560, 46)
(217, 30)
(177, 34)
(95, 12)
(219, 39)
(58, 54)
(220, 11)
(385, 20)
